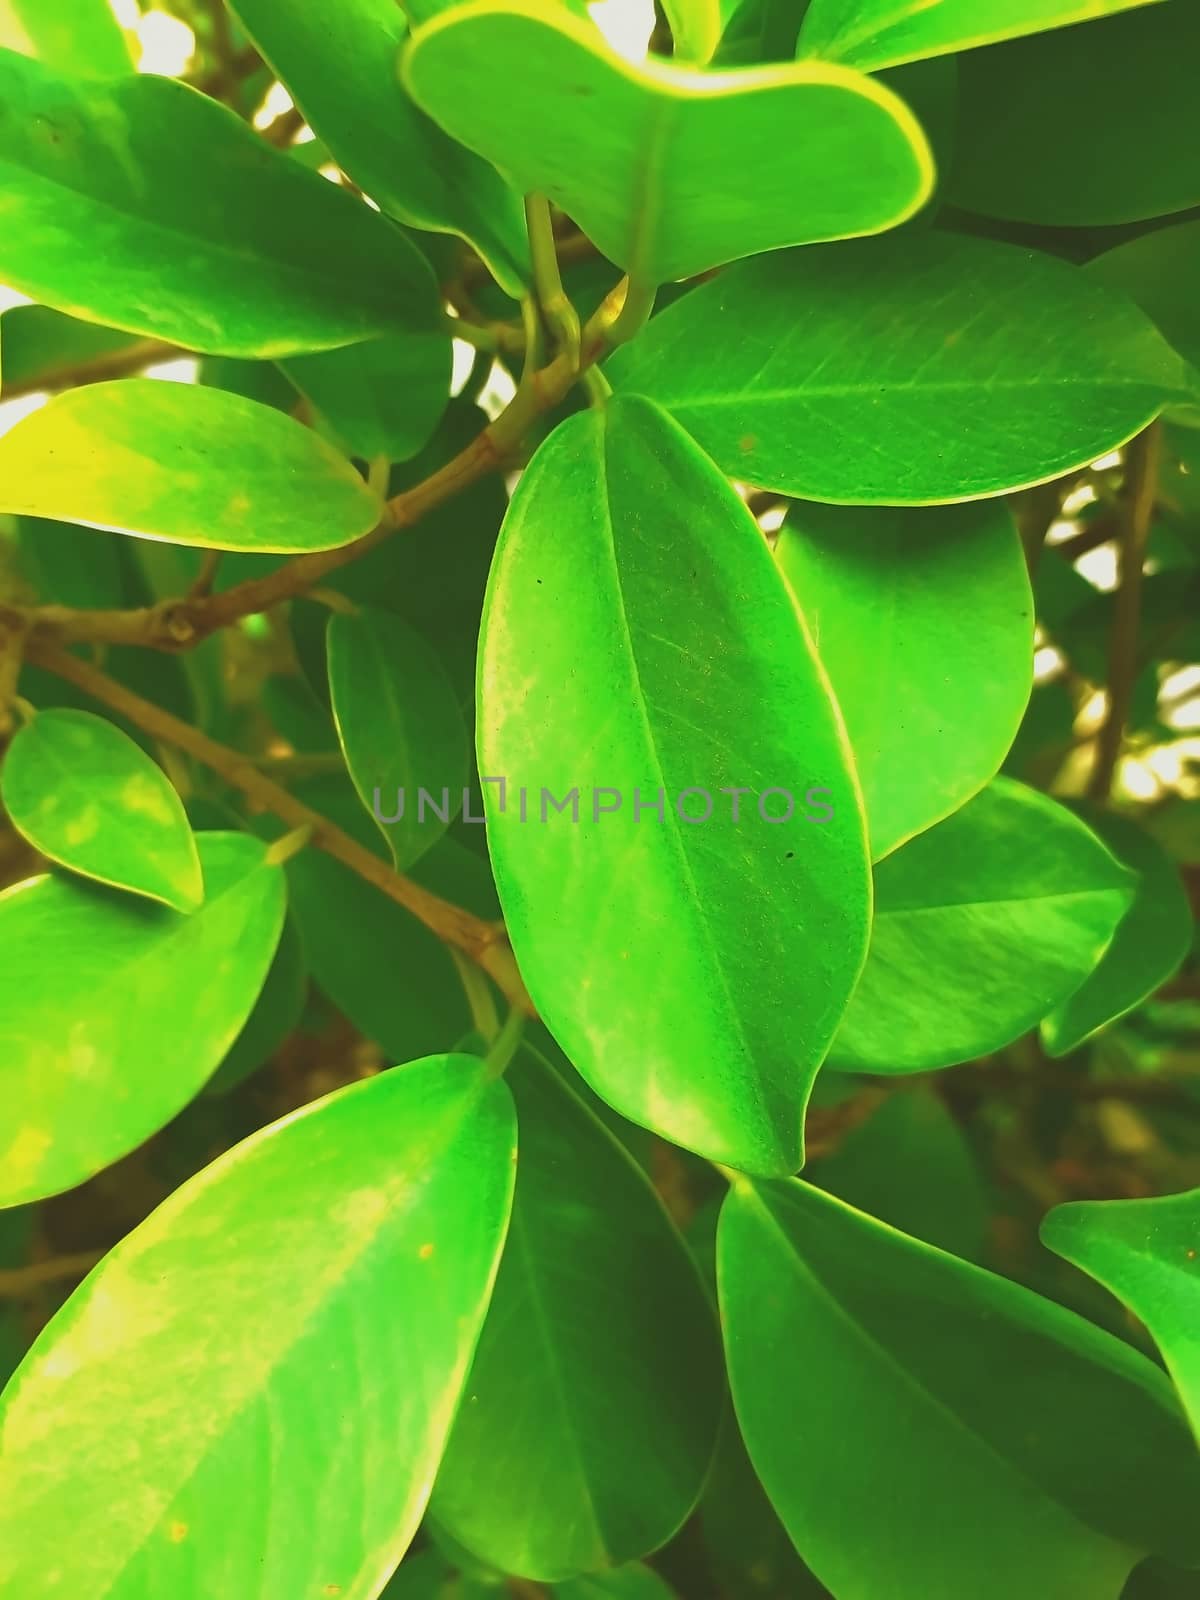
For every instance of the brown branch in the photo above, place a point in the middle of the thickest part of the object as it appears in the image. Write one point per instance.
(485, 943)
(179, 624)
(18, 1283)
(132, 357)
(1137, 508)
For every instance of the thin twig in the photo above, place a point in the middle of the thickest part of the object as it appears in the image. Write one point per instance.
(485, 943)
(1141, 485)
(120, 363)
(19, 1283)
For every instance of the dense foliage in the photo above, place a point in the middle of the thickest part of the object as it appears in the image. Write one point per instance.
(750, 464)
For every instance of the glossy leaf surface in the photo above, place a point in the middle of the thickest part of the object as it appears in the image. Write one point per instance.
(186, 464)
(1147, 1252)
(922, 368)
(325, 1279)
(400, 728)
(923, 620)
(665, 687)
(89, 798)
(834, 154)
(340, 64)
(982, 926)
(590, 1417)
(1002, 1445)
(870, 34)
(101, 1047)
(1150, 943)
(196, 230)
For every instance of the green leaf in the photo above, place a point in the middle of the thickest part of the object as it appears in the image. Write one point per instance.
(669, 658)
(910, 1165)
(1030, 157)
(870, 34)
(339, 63)
(77, 36)
(183, 463)
(41, 347)
(142, 204)
(400, 728)
(982, 926)
(277, 1011)
(590, 1417)
(113, 1012)
(392, 978)
(1158, 271)
(625, 150)
(1147, 1252)
(1000, 1445)
(696, 27)
(925, 367)
(923, 620)
(622, 1583)
(87, 797)
(381, 398)
(322, 1283)
(1150, 943)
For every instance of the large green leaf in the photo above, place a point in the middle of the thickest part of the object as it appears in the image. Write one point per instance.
(142, 204)
(1030, 156)
(1159, 271)
(926, 1428)
(183, 463)
(252, 1390)
(590, 1416)
(1148, 1253)
(982, 926)
(870, 34)
(340, 64)
(701, 959)
(779, 155)
(77, 36)
(85, 795)
(400, 728)
(380, 398)
(925, 367)
(923, 620)
(1151, 940)
(113, 1011)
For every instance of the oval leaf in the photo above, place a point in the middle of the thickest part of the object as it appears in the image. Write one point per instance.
(629, 659)
(922, 368)
(400, 727)
(1029, 157)
(381, 398)
(183, 463)
(323, 1281)
(1159, 270)
(1001, 1445)
(142, 204)
(1150, 943)
(114, 1012)
(590, 1417)
(982, 926)
(339, 62)
(923, 620)
(86, 796)
(870, 34)
(1147, 1252)
(626, 149)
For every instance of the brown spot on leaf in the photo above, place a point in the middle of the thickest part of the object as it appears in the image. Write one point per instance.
(425, 1252)
(177, 1532)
